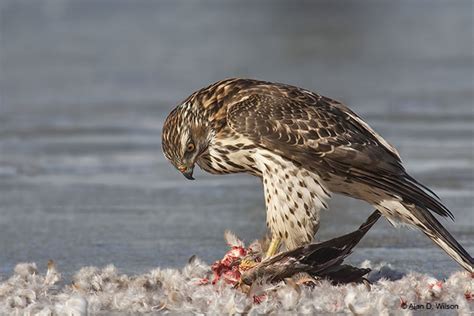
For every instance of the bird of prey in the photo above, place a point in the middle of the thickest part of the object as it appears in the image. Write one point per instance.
(304, 147)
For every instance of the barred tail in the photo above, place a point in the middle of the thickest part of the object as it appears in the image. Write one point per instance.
(432, 228)
(411, 214)
(411, 202)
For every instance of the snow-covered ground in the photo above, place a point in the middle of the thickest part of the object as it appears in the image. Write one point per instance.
(96, 290)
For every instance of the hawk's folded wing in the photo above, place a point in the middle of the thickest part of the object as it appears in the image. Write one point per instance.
(316, 133)
(324, 135)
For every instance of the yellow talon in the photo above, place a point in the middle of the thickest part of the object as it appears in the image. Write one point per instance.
(273, 247)
(247, 264)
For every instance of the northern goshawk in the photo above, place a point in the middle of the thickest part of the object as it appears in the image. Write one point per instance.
(304, 147)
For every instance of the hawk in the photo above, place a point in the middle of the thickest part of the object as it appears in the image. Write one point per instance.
(304, 147)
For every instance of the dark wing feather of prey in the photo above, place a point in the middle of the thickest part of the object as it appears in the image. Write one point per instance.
(319, 259)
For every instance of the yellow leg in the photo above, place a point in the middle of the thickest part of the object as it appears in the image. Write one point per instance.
(247, 264)
(273, 247)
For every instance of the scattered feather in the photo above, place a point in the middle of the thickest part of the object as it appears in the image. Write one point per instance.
(106, 290)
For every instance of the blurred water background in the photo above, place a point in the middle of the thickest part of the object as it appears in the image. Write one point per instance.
(85, 87)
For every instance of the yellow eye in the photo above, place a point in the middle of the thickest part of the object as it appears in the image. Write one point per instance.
(190, 147)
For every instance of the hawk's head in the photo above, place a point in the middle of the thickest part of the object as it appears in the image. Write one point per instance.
(184, 139)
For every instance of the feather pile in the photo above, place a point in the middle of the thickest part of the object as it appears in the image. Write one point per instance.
(94, 290)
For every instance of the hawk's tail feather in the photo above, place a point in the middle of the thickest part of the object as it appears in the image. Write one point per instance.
(415, 203)
(432, 228)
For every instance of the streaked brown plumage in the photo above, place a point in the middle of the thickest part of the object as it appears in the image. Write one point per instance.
(304, 146)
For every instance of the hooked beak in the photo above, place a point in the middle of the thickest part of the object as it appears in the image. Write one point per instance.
(187, 172)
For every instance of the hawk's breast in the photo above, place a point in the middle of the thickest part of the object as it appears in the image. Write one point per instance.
(294, 197)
